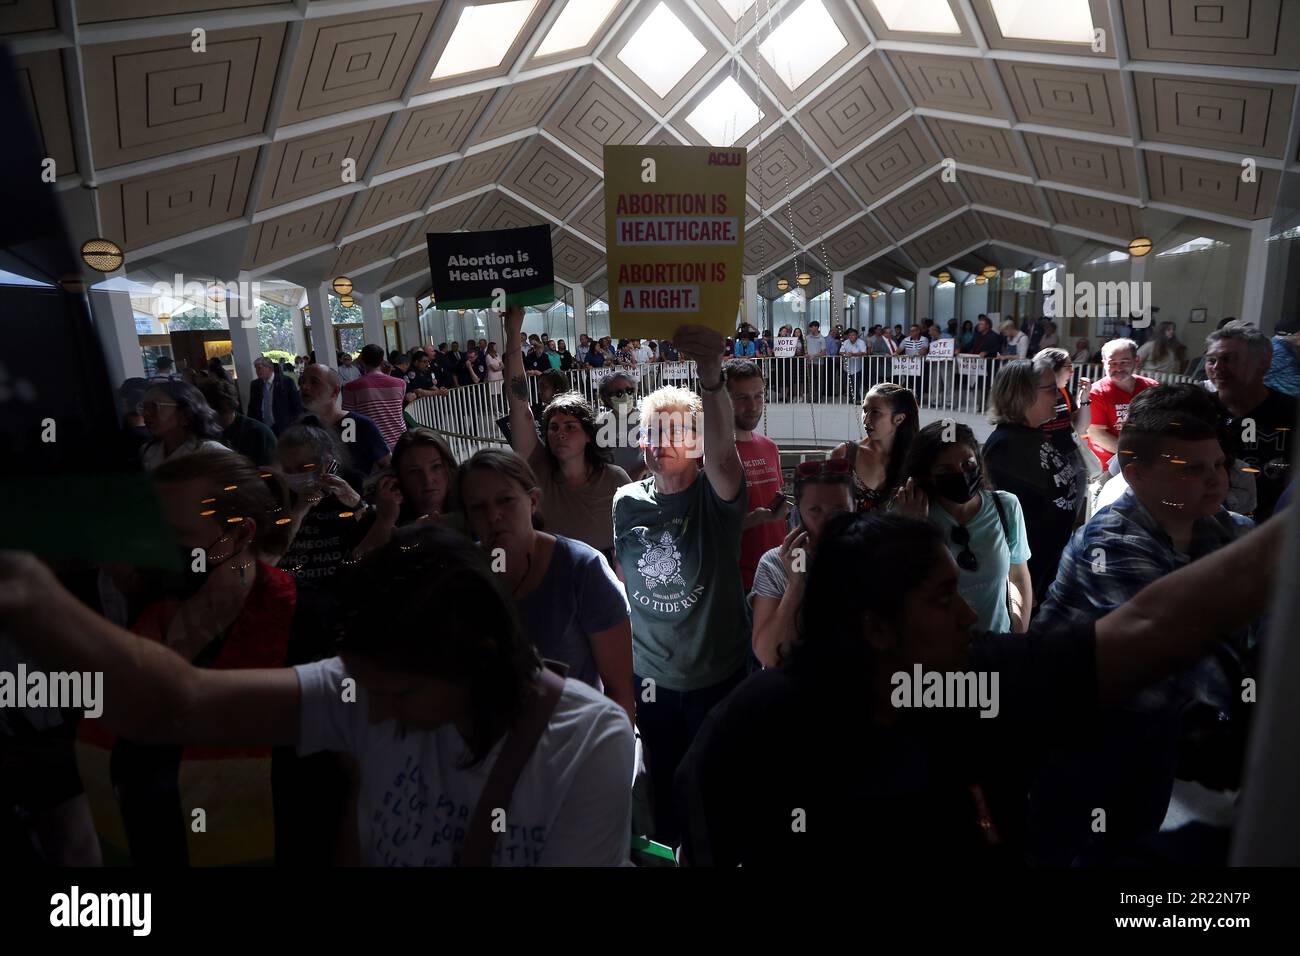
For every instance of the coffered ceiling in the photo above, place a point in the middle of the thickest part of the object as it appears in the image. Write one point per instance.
(313, 137)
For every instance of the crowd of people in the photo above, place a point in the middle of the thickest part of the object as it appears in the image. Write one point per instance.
(536, 653)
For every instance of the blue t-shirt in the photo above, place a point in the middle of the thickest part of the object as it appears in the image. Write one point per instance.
(578, 597)
(985, 589)
(367, 445)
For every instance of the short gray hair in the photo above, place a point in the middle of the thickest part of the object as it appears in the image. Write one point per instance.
(1014, 390)
(1258, 345)
(1114, 345)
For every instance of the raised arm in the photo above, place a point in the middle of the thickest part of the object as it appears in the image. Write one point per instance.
(523, 429)
(721, 461)
(150, 693)
(1175, 620)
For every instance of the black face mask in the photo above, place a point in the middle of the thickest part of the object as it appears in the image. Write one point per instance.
(958, 488)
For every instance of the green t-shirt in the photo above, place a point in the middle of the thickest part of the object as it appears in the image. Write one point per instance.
(985, 589)
(680, 555)
(252, 439)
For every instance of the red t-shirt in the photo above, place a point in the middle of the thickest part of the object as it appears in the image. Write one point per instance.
(1110, 407)
(762, 461)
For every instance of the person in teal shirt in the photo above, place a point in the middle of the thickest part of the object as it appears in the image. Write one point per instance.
(677, 548)
(984, 529)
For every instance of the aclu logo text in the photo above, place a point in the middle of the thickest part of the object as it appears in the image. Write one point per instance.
(240, 297)
(1086, 299)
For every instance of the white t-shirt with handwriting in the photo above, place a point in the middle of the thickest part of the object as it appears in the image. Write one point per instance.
(572, 805)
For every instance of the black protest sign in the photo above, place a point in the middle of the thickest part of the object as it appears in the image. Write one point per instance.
(484, 270)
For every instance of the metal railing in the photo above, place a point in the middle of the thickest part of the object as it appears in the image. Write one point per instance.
(468, 416)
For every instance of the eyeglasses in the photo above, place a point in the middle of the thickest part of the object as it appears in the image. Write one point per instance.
(966, 559)
(623, 393)
(154, 406)
(830, 466)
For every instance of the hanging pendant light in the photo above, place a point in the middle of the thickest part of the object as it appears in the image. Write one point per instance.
(990, 271)
(1139, 247)
(944, 277)
(803, 278)
(980, 280)
(342, 285)
(346, 302)
(782, 284)
(102, 255)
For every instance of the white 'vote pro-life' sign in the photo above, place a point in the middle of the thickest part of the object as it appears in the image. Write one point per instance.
(675, 370)
(785, 346)
(907, 366)
(941, 348)
(598, 375)
(970, 364)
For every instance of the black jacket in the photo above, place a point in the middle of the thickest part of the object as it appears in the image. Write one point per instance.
(286, 405)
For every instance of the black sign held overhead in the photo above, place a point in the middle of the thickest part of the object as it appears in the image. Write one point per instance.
(485, 270)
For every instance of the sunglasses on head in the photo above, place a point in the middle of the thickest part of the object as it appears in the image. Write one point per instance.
(966, 559)
(830, 466)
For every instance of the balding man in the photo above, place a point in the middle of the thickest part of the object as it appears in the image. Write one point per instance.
(322, 395)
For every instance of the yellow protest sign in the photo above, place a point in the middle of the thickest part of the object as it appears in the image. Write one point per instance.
(674, 237)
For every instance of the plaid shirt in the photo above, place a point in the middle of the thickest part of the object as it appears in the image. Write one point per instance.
(1115, 555)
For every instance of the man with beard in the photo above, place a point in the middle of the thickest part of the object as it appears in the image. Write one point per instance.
(764, 526)
(1258, 419)
(1110, 397)
(322, 396)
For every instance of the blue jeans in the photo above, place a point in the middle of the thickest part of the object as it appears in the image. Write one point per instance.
(668, 725)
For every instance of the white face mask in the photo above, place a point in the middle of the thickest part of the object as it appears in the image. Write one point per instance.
(300, 482)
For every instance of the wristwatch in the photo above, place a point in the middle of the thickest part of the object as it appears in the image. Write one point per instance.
(713, 388)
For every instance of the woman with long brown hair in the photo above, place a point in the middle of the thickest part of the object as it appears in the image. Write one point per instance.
(1163, 352)
(890, 420)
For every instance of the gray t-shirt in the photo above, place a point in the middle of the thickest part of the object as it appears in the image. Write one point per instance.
(680, 555)
(579, 596)
(770, 579)
(572, 804)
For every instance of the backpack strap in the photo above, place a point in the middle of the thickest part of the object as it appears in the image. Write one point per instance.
(1002, 518)
(480, 840)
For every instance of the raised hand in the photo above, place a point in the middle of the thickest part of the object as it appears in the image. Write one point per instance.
(911, 501)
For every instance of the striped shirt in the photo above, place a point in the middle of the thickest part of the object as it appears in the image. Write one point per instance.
(380, 398)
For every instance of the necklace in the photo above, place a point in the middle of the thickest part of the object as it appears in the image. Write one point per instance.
(527, 569)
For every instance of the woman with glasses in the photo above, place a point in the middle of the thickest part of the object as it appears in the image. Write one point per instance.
(1022, 458)
(983, 529)
(890, 420)
(574, 472)
(620, 421)
(180, 422)
(822, 489)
